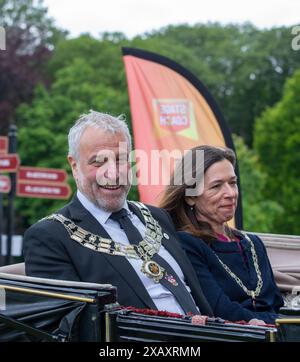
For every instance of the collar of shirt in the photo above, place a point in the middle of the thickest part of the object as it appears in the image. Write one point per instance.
(101, 215)
(112, 227)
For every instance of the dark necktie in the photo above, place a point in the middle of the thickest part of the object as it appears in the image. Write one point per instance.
(170, 280)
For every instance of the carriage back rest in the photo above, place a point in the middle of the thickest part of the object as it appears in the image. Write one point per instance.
(40, 309)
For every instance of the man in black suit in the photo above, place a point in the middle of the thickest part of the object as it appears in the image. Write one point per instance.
(101, 237)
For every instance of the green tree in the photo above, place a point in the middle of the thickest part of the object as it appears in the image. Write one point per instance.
(77, 86)
(259, 213)
(277, 140)
(243, 67)
(30, 38)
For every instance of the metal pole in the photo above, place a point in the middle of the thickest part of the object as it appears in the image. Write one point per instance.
(12, 148)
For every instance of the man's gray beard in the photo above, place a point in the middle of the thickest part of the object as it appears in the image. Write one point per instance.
(100, 203)
(106, 205)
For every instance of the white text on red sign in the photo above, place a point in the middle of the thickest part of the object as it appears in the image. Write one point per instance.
(47, 191)
(41, 174)
(9, 162)
(5, 184)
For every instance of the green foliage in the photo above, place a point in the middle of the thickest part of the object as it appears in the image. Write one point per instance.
(244, 69)
(277, 140)
(30, 38)
(78, 84)
(31, 17)
(259, 213)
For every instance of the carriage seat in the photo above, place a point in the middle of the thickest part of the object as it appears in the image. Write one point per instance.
(17, 269)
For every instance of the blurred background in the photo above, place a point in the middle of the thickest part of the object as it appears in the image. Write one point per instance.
(63, 58)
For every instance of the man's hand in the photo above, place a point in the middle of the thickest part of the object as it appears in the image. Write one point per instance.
(199, 319)
(256, 322)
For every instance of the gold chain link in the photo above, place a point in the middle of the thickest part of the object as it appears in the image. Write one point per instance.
(145, 250)
(251, 293)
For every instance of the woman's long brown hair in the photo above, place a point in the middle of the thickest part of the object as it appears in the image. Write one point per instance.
(174, 197)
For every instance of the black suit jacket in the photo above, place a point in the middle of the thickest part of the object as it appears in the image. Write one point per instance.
(49, 252)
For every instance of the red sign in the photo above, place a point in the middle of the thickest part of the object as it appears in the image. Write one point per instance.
(43, 190)
(5, 184)
(41, 174)
(3, 144)
(9, 162)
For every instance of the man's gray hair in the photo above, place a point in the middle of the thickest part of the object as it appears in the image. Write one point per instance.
(98, 120)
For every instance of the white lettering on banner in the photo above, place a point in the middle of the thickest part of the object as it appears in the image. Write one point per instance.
(173, 121)
(173, 114)
(173, 108)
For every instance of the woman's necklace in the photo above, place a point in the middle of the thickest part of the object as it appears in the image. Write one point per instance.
(252, 293)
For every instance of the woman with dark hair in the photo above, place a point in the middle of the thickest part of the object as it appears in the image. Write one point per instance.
(232, 267)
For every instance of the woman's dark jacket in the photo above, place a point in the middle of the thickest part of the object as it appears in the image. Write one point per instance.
(225, 296)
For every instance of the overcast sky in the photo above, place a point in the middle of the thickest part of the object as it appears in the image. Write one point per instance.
(134, 17)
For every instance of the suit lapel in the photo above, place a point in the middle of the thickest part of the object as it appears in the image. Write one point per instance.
(86, 220)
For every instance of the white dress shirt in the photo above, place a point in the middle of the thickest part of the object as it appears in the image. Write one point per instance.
(162, 297)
